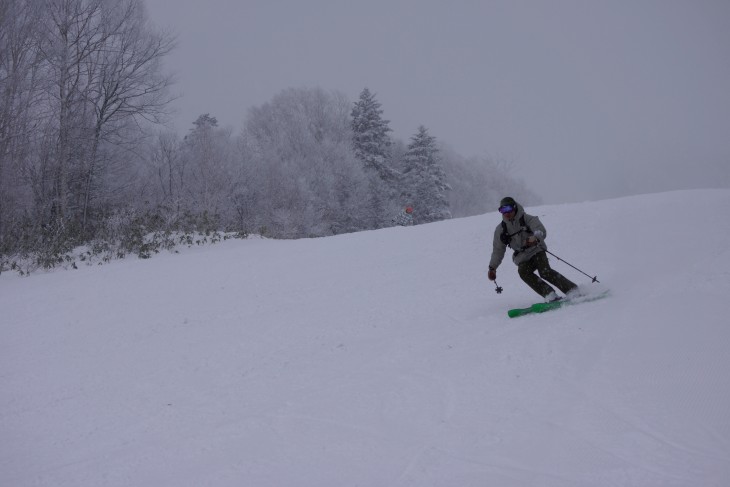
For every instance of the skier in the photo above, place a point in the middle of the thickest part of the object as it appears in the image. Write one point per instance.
(525, 235)
(405, 217)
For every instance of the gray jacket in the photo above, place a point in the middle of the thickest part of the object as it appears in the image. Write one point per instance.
(518, 241)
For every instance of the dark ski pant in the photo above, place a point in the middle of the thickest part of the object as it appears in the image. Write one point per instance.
(540, 264)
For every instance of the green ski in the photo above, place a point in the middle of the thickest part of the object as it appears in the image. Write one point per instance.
(543, 307)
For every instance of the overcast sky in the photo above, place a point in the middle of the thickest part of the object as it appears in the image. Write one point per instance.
(589, 99)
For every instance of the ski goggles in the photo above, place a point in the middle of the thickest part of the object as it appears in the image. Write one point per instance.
(506, 209)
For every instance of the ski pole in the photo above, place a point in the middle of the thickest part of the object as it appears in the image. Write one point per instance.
(497, 288)
(593, 279)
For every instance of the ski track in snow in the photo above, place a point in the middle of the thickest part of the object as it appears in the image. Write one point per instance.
(381, 358)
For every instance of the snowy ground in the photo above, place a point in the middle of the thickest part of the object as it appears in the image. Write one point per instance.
(381, 359)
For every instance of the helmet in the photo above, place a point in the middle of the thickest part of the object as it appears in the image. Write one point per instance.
(507, 201)
(409, 209)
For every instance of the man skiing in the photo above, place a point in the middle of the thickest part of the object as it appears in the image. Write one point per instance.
(525, 235)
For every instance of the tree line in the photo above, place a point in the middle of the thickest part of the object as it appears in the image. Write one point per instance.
(82, 89)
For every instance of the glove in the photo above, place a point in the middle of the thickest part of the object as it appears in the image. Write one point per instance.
(531, 241)
(492, 274)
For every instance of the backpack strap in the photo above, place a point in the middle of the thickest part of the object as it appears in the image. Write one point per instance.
(523, 224)
(506, 237)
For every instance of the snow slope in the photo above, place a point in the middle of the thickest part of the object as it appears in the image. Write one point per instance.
(381, 358)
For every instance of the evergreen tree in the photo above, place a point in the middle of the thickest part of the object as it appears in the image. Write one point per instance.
(372, 143)
(370, 135)
(425, 183)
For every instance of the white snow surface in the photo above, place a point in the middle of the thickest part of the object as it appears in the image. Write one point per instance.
(381, 358)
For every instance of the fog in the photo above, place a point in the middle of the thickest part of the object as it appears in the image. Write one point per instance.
(585, 100)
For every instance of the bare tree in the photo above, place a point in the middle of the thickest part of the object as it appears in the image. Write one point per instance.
(19, 90)
(126, 82)
(168, 169)
(104, 61)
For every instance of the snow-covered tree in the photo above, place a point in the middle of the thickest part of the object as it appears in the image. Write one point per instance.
(370, 135)
(103, 60)
(306, 179)
(425, 183)
(371, 143)
(207, 149)
(79, 82)
(20, 87)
